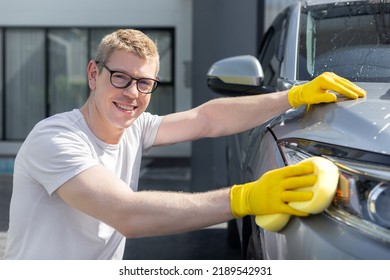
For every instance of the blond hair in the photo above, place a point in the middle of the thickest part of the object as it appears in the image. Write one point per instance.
(131, 40)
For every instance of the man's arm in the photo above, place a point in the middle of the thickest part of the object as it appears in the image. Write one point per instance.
(100, 194)
(221, 117)
(226, 116)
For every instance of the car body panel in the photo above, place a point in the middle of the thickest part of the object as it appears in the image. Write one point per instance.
(342, 123)
(321, 237)
(348, 130)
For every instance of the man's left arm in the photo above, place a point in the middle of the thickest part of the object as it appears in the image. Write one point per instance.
(226, 116)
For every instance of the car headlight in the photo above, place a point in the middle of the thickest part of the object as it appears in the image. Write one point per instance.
(362, 198)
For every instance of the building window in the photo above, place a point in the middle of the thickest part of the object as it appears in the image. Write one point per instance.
(67, 62)
(1, 83)
(24, 81)
(44, 72)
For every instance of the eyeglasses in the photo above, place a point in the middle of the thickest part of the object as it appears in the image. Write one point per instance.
(122, 80)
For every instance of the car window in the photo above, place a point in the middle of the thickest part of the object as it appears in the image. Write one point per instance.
(351, 39)
(272, 50)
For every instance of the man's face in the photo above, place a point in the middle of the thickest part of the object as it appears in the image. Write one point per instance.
(119, 108)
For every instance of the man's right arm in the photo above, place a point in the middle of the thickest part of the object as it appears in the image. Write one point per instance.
(100, 194)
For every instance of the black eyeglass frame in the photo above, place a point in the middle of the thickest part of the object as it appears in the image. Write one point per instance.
(112, 72)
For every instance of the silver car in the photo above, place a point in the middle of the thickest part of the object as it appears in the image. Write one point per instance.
(352, 39)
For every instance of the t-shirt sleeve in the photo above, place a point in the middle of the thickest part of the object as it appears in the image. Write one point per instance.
(150, 124)
(55, 154)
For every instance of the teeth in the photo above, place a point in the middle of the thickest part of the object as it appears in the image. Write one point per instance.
(124, 107)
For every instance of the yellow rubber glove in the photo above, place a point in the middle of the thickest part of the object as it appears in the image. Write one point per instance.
(318, 90)
(273, 191)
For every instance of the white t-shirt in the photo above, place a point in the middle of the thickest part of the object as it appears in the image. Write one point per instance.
(42, 225)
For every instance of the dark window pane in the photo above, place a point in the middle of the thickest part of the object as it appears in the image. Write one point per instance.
(25, 80)
(67, 69)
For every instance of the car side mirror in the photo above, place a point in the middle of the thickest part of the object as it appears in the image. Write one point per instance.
(238, 75)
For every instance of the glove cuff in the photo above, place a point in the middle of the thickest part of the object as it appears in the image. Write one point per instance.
(237, 201)
(294, 96)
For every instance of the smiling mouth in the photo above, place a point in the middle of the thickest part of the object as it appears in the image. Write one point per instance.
(125, 107)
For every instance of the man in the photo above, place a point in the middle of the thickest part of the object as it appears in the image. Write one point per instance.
(76, 174)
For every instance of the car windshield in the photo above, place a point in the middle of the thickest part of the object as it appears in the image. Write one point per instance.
(351, 39)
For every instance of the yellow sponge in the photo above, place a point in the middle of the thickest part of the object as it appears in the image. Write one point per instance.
(272, 222)
(323, 193)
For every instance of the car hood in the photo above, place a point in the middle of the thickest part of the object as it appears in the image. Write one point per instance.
(361, 124)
